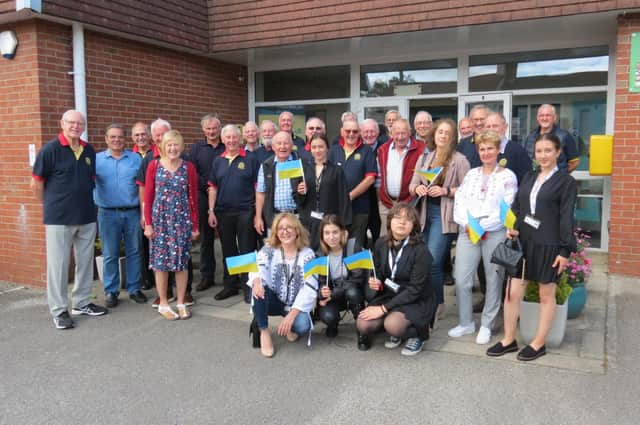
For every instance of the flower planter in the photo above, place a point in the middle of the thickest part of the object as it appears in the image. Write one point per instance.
(577, 300)
(121, 266)
(529, 316)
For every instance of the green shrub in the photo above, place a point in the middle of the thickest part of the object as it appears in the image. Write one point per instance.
(532, 292)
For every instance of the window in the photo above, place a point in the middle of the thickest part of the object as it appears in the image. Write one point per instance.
(543, 69)
(303, 84)
(409, 79)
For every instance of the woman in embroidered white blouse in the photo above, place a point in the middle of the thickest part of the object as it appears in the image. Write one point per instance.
(279, 287)
(479, 197)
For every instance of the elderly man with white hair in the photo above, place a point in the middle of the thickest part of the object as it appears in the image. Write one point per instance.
(63, 179)
(231, 204)
(267, 130)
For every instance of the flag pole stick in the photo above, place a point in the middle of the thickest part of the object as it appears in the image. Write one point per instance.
(374, 266)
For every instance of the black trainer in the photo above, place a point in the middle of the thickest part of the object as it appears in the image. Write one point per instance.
(63, 321)
(89, 310)
(138, 297)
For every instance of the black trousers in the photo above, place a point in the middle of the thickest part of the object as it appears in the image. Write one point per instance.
(343, 297)
(147, 273)
(207, 238)
(237, 236)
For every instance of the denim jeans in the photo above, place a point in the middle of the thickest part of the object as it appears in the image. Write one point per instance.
(437, 243)
(114, 225)
(271, 305)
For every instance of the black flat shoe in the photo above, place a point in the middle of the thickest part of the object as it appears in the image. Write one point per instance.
(254, 332)
(138, 297)
(529, 353)
(363, 342)
(110, 300)
(498, 349)
(225, 293)
(331, 331)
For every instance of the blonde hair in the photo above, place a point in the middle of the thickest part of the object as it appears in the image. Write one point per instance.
(488, 137)
(170, 136)
(302, 235)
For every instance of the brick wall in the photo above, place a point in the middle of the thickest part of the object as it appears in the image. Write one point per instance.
(22, 257)
(624, 236)
(126, 82)
(238, 24)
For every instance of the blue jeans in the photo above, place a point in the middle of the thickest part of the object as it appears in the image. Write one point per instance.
(113, 226)
(271, 305)
(437, 243)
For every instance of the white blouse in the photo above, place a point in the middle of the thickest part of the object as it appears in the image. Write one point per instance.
(480, 195)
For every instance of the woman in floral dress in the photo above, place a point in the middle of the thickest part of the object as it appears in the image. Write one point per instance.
(171, 214)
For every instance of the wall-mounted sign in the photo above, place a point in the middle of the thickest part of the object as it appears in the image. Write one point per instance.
(634, 63)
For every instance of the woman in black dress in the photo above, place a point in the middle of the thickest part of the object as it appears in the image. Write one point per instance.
(404, 303)
(544, 207)
(323, 191)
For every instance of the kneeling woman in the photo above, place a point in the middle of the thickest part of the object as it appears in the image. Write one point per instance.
(279, 287)
(404, 303)
(341, 289)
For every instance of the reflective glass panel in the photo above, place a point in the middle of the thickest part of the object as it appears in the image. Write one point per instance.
(328, 82)
(409, 79)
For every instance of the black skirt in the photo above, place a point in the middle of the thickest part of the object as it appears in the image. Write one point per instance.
(420, 314)
(538, 262)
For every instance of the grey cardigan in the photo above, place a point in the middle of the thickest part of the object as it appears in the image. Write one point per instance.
(456, 171)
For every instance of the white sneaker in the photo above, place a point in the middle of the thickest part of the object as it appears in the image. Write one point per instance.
(460, 330)
(484, 336)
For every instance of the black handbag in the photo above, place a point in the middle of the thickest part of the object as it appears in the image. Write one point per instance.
(508, 254)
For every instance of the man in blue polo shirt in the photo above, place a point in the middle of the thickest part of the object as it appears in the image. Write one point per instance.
(232, 200)
(359, 166)
(63, 178)
(116, 196)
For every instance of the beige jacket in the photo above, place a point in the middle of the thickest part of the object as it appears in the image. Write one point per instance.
(455, 174)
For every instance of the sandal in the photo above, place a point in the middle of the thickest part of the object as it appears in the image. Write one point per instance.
(167, 313)
(183, 312)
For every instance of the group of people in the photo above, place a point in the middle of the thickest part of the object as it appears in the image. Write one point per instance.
(377, 180)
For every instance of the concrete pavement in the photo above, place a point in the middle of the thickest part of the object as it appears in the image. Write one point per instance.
(134, 367)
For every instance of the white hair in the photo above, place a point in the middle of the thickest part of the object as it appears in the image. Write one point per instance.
(230, 127)
(160, 123)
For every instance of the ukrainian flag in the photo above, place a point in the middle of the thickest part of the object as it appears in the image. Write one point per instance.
(430, 174)
(475, 229)
(246, 263)
(361, 260)
(318, 265)
(289, 169)
(507, 217)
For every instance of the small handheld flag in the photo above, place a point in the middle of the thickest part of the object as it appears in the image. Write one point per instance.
(316, 266)
(475, 229)
(289, 169)
(507, 217)
(246, 263)
(430, 174)
(360, 260)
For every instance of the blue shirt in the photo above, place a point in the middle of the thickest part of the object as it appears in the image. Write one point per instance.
(68, 182)
(235, 182)
(202, 155)
(360, 164)
(116, 180)
(569, 148)
(282, 197)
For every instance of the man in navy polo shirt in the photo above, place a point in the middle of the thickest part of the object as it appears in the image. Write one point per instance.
(116, 196)
(285, 122)
(359, 166)
(232, 201)
(202, 155)
(63, 178)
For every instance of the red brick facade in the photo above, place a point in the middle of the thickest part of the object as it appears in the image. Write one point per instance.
(624, 236)
(126, 82)
(238, 24)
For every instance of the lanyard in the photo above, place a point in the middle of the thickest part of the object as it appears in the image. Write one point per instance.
(533, 196)
(318, 183)
(393, 260)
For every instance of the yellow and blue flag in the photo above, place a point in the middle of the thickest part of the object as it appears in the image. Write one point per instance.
(507, 217)
(475, 229)
(289, 169)
(360, 260)
(430, 174)
(246, 263)
(318, 265)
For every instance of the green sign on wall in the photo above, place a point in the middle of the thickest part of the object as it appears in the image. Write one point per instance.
(634, 63)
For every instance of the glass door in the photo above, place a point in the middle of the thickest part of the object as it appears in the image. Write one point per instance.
(377, 108)
(498, 102)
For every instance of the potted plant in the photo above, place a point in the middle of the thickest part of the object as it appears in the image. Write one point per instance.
(100, 262)
(530, 314)
(577, 273)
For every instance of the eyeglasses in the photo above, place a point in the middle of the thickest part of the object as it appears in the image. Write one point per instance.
(314, 128)
(287, 229)
(352, 131)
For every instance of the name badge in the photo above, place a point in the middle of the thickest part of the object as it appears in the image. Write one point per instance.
(391, 285)
(317, 215)
(532, 221)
